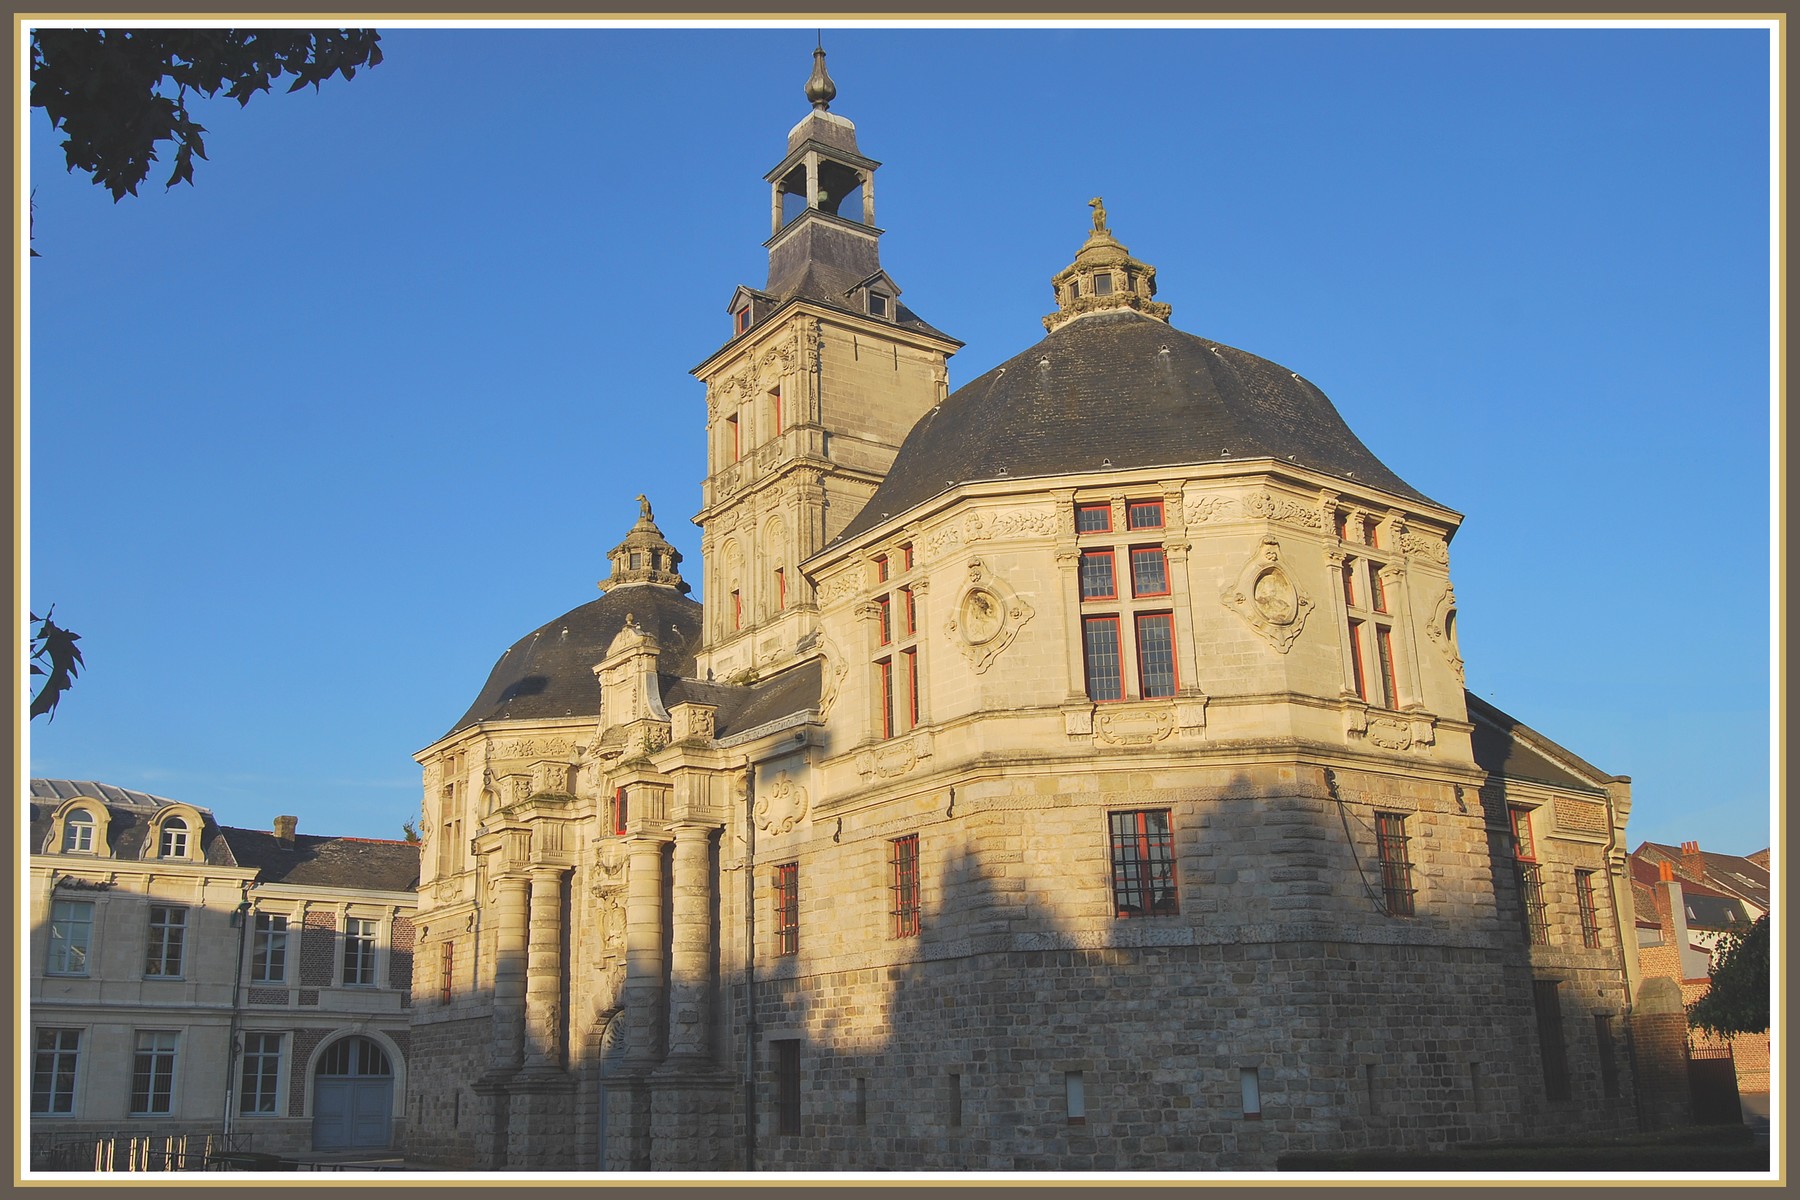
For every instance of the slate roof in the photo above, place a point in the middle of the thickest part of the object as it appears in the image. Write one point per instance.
(1127, 388)
(1504, 746)
(549, 672)
(745, 707)
(338, 862)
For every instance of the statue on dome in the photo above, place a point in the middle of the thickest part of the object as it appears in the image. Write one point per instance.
(1099, 208)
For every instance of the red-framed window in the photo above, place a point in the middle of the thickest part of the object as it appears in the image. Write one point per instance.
(1350, 583)
(1143, 864)
(1358, 677)
(732, 440)
(1340, 524)
(906, 557)
(1097, 581)
(884, 620)
(1100, 656)
(1384, 657)
(1378, 598)
(780, 588)
(787, 909)
(1144, 514)
(1524, 848)
(884, 683)
(1532, 909)
(903, 861)
(909, 659)
(619, 814)
(741, 319)
(909, 612)
(1156, 655)
(1149, 571)
(737, 609)
(1396, 863)
(1590, 912)
(1093, 518)
(775, 408)
(881, 568)
(446, 972)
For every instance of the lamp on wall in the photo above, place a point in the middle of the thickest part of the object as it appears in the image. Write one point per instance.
(238, 914)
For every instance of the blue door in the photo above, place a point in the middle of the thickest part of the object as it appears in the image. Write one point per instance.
(353, 1097)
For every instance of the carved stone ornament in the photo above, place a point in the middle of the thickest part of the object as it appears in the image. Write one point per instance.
(1440, 627)
(981, 527)
(1281, 508)
(1202, 509)
(781, 806)
(1266, 597)
(1133, 727)
(834, 669)
(1389, 735)
(842, 584)
(1425, 546)
(894, 759)
(986, 617)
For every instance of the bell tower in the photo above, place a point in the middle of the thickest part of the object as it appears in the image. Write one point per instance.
(824, 373)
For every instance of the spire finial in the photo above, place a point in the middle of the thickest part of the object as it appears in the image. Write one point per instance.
(819, 89)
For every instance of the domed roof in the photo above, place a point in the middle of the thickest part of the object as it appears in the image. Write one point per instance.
(549, 673)
(1115, 387)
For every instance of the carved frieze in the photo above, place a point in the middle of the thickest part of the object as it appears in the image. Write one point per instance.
(1267, 598)
(842, 584)
(986, 617)
(1202, 509)
(1270, 507)
(1424, 545)
(979, 526)
(891, 760)
(559, 747)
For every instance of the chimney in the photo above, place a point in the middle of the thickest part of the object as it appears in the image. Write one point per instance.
(1665, 871)
(1691, 862)
(284, 830)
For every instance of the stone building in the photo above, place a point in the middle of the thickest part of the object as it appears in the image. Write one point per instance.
(1071, 771)
(192, 978)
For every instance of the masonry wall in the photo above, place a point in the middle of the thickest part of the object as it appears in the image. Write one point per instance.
(444, 1120)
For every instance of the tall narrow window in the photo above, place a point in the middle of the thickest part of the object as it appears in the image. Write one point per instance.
(359, 952)
(1358, 676)
(620, 812)
(268, 949)
(734, 445)
(1590, 913)
(153, 1073)
(884, 619)
(53, 1066)
(1097, 575)
(1396, 864)
(174, 838)
(780, 588)
(787, 909)
(1371, 633)
(446, 972)
(1531, 880)
(787, 1086)
(1100, 652)
(1074, 1098)
(909, 612)
(775, 410)
(909, 675)
(1149, 571)
(1550, 1038)
(261, 1074)
(884, 693)
(168, 935)
(1384, 656)
(903, 859)
(78, 833)
(1156, 654)
(1250, 1090)
(71, 933)
(737, 609)
(1143, 864)
(896, 639)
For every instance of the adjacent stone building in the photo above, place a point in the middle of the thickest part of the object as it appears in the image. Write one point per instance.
(1071, 771)
(192, 978)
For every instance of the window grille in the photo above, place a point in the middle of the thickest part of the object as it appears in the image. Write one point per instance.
(1590, 913)
(787, 909)
(1396, 864)
(903, 856)
(1143, 864)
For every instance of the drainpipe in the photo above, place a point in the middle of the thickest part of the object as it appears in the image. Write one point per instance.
(749, 964)
(242, 915)
(1619, 919)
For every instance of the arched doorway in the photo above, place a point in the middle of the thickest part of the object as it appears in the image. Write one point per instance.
(353, 1096)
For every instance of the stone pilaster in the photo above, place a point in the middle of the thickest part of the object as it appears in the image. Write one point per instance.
(543, 971)
(690, 966)
(510, 955)
(644, 1000)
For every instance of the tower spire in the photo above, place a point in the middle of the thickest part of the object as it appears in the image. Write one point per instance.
(819, 88)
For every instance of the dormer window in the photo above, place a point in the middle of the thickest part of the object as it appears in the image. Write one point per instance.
(1074, 289)
(878, 305)
(174, 839)
(78, 833)
(741, 319)
(1103, 285)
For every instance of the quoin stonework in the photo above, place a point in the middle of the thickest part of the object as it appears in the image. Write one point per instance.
(1073, 770)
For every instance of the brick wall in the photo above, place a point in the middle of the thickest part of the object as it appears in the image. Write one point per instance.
(318, 948)
(400, 958)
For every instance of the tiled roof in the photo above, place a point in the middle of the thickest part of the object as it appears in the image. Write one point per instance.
(1507, 747)
(336, 862)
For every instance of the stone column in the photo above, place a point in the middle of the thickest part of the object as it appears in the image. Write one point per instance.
(509, 972)
(644, 1003)
(543, 971)
(690, 966)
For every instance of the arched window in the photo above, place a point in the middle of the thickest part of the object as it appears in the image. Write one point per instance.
(354, 1056)
(78, 832)
(174, 839)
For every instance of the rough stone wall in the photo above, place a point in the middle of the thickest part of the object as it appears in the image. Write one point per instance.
(446, 1057)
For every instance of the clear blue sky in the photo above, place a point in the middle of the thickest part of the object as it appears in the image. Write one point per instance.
(314, 440)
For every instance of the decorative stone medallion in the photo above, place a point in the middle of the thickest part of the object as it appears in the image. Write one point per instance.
(1266, 597)
(987, 618)
(781, 806)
